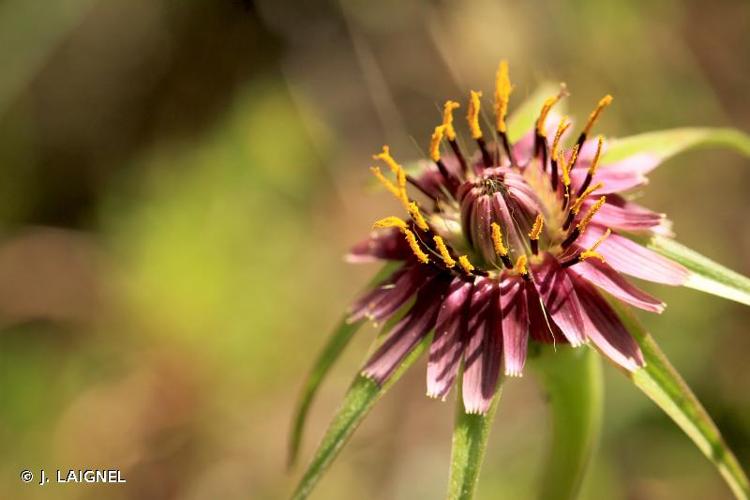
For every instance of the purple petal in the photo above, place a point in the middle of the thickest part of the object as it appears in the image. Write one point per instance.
(483, 353)
(447, 346)
(389, 295)
(629, 257)
(387, 244)
(617, 213)
(406, 334)
(605, 277)
(605, 329)
(515, 325)
(556, 289)
(542, 328)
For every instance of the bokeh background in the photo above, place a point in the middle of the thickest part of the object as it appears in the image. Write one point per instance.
(179, 180)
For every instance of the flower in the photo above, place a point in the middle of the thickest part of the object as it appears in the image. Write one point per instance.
(509, 245)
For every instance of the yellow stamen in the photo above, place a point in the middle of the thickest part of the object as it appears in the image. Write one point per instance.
(569, 165)
(390, 186)
(408, 234)
(603, 103)
(591, 252)
(503, 88)
(590, 214)
(463, 261)
(437, 138)
(444, 254)
(579, 201)
(412, 240)
(386, 157)
(521, 266)
(595, 162)
(546, 107)
(472, 115)
(448, 108)
(497, 240)
(398, 190)
(561, 128)
(416, 215)
(391, 221)
(536, 230)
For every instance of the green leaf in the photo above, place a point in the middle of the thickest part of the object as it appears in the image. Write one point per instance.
(661, 382)
(331, 352)
(705, 274)
(328, 356)
(572, 379)
(470, 434)
(359, 400)
(666, 143)
(524, 117)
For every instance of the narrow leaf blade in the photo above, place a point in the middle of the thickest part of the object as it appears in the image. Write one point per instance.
(359, 400)
(663, 385)
(331, 352)
(333, 348)
(667, 143)
(572, 379)
(705, 274)
(470, 434)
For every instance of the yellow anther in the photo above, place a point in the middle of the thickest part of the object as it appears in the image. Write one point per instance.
(448, 108)
(444, 253)
(472, 114)
(603, 103)
(463, 261)
(408, 234)
(546, 107)
(386, 157)
(503, 88)
(391, 221)
(497, 240)
(536, 230)
(412, 240)
(591, 252)
(437, 138)
(399, 189)
(579, 201)
(567, 167)
(521, 266)
(390, 186)
(590, 214)
(595, 161)
(561, 128)
(416, 216)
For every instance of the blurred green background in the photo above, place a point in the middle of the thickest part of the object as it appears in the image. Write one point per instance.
(179, 180)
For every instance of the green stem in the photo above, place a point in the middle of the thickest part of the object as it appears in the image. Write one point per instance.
(572, 379)
(470, 435)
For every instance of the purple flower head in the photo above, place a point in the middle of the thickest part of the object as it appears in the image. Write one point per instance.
(510, 244)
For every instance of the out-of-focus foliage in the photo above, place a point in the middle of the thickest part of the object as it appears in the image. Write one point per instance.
(178, 181)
